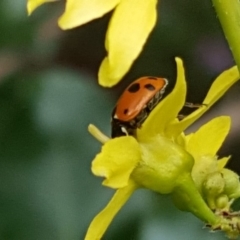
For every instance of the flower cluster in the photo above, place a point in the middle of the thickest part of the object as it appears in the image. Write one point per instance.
(162, 158)
(129, 27)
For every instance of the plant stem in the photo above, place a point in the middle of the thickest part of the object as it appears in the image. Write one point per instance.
(228, 12)
(187, 198)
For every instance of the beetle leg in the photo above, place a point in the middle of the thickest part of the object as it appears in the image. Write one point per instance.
(181, 116)
(190, 105)
(194, 105)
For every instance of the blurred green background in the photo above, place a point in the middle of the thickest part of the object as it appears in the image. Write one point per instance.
(48, 96)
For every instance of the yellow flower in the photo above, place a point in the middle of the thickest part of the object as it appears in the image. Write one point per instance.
(164, 160)
(130, 25)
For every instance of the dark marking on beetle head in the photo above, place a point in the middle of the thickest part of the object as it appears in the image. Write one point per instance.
(125, 111)
(134, 88)
(149, 87)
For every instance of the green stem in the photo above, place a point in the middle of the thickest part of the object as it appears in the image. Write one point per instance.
(228, 12)
(187, 198)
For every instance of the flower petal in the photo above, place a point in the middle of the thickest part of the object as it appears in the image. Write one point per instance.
(101, 222)
(117, 160)
(222, 162)
(33, 4)
(129, 28)
(223, 82)
(168, 109)
(209, 138)
(78, 12)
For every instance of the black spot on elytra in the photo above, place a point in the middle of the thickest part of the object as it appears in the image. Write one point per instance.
(125, 111)
(153, 78)
(134, 88)
(149, 87)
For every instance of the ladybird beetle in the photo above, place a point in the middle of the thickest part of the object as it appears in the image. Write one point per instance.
(135, 104)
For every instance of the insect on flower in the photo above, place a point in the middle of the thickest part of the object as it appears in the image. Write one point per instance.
(143, 160)
(136, 103)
